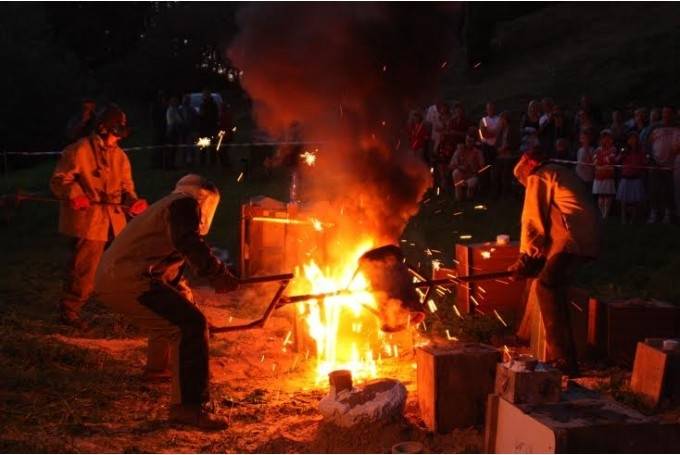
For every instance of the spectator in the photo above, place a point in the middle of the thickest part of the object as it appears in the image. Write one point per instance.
(459, 124)
(418, 135)
(443, 144)
(584, 158)
(562, 148)
(465, 166)
(189, 129)
(547, 104)
(630, 115)
(174, 122)
(639, 121)
(594, 113)
(654, 117)
(529, 126)
(631, 191)
(618, 128)
(81, 124)
(159, 109)
(506, 154)
(603, 185)
(553, 129)
(207, 124)
(489, 128)
(437, 117)
(663, 145)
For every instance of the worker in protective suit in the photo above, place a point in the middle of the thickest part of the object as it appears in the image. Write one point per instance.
(141, 276)
(560, 229)
(93, 178)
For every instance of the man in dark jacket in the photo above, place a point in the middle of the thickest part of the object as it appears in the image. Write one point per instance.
(141, 276)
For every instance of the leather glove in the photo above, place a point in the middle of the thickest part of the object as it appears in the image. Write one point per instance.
(80, 203)
(526, 267)
(225, 282)
(138, 207)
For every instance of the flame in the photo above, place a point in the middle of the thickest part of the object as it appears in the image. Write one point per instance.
(345, 332)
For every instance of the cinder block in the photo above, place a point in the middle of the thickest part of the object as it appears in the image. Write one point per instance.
(656, 373)
(575, 426)
(454, 381)
(528, 387)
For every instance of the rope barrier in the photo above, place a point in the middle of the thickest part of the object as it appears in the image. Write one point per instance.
(151, 147)
(583, 163)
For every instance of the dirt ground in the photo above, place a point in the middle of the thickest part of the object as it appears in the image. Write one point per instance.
(97, 401)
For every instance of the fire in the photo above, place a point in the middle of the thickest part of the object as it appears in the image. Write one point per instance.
(344, 328)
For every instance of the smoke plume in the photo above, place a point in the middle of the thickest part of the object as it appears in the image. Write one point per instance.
(349, 74)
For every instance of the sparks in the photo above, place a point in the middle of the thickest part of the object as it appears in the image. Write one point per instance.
(480, 207)
(220, 136)
(233, 130)
(318, 225)
(432, 306)
(309, 158)
(455, 309)
(474, 300)
(481, 289)
(483, 169)
(203, 142)
(438, 191)
(262, 358)
(443, 65)
(477, 65)
(449, 337)
(498, 316)
(465, 237)
(240, 177)
(576, 306)
(436, 264)
(457, 213)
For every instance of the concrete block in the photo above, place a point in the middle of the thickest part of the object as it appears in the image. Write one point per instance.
(528, 387)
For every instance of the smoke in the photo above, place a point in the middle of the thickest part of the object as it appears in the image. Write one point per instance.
(349, 74)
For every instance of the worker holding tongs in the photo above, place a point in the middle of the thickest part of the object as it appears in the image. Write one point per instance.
(93, 180)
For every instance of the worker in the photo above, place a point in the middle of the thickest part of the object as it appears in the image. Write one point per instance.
(94, 181)
(141, 276)
(560, 230)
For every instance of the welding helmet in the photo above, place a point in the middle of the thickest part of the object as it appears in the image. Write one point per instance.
(206, 194)
(112, 120)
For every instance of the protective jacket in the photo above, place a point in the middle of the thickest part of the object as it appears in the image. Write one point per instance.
(88, 168)
(558, 215)
(155, 246)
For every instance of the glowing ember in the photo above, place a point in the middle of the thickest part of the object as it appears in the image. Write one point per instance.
(486, 254)
(480, 207)
(465, 237)
(240, 177)
(432, 306)
(498, 316)
(203, 142)
(318, 225)
(436, 264)
(309, 158)
(220, 136)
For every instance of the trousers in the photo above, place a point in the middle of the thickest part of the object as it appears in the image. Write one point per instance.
(85, 257)
(171, 321)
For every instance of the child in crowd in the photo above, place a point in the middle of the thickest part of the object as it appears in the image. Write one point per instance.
(465, 166)
(618, 128)
(584, 156)
(603, 184)
(631, 192)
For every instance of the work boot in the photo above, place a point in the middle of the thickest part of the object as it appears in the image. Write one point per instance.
(197, 416)
(155, 376)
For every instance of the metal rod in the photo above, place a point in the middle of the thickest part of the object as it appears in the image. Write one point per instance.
(258, 323)
(267, 278)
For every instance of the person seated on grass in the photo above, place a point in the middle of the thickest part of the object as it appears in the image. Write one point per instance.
(141, 277)
(465, 166)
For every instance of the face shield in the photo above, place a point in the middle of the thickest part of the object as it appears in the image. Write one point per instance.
(205, 194)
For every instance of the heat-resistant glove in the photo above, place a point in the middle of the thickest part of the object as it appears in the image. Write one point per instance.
(526, 267)
(138, 207)
(80, 203)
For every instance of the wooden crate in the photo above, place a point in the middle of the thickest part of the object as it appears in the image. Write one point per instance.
(574, 426)
(504, 296)
(615, 327)
(453, 382)
(656, 373)
(269, 247)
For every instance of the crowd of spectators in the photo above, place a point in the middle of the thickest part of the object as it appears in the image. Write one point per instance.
(633, 158)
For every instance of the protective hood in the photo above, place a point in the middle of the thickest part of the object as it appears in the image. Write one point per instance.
(205, 193)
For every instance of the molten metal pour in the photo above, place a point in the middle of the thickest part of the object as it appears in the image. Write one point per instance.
(391, 281)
